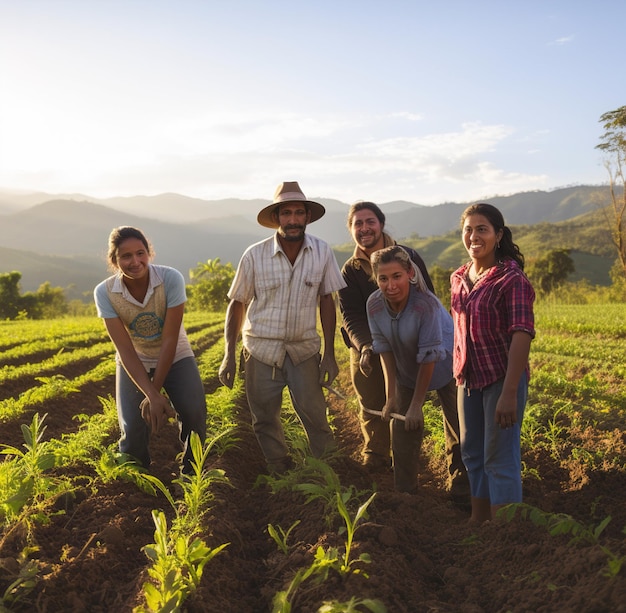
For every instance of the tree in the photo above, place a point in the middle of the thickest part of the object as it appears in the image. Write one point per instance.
(549, 272)
(45, 303)
(613, 145)
(49, 302)
(10, 300)
(210, 282)
(441, 282)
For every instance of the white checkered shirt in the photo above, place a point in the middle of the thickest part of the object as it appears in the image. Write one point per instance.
(282, 299)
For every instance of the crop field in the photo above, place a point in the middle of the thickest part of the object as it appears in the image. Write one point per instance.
(83, 531)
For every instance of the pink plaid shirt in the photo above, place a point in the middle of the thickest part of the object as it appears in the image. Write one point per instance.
(485, 318)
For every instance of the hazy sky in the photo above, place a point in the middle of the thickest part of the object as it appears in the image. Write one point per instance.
(356, 99)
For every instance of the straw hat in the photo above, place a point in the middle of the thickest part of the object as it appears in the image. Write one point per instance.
(289, 191)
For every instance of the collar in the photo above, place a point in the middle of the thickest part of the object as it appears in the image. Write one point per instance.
(362, 260)
(120, 287)
(306, 244)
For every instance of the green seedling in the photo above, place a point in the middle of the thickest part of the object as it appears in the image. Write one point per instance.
(39, 455)
(318, 572)
(280, 536)
(196, 487)
(26, 487)
(179, 556)
(351, 528)
(178, 562)
(317, 480)
(354, 605)
(562, 524)
(23, 582)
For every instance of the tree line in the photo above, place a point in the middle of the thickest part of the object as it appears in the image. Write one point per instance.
(211, 280)
(207, 291)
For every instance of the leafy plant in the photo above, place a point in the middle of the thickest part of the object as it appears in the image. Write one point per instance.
(27, 487)
(562, 524)
(39, 455)
(196, 487)
(317, 480)
(323, 561)
(179, 556)
(354, 605)
(23, 582)
(351, 527)
(177, 565)
(280, 536)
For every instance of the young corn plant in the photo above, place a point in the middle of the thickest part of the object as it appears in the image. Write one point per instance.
(280, 536)
(221, 418)
(111, 465)
(178, 556)
(39, 455)
(295, 437)
(317, 480)
(94, 430)
(196, 486)
(324, 561)
(354, 605)
(318, 571)
(352, 524)
(178, 562)
(562, 524)
(26, 487)
(326, 485)
(322, 483)
(24, 579)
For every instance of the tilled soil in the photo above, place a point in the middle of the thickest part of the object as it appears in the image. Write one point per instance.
(425, 555)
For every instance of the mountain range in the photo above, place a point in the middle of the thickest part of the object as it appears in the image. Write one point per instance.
(62, 238)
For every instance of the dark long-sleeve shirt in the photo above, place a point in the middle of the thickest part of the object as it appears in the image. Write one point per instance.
(357, 273)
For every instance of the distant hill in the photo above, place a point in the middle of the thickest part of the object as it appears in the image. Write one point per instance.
(522, 208)
(76, 274)
(63, 239)
(585, 235)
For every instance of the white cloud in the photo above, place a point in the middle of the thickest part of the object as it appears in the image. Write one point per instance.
(228, 154)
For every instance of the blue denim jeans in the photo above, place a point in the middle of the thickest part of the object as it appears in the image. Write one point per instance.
(264, 390)
(186, 392)
(490, 453)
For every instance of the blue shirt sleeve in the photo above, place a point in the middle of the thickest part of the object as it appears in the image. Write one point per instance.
(175, 289)
(103, 304)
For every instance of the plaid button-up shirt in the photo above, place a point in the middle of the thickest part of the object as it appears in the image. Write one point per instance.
(485, 318)
(282, 299)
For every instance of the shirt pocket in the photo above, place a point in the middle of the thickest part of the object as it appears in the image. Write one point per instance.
(311, 284)
(268, 292)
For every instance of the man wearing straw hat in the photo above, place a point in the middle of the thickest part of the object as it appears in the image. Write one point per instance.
(275, 294)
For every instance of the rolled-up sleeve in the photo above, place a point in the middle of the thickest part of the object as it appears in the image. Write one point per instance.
(519, 301)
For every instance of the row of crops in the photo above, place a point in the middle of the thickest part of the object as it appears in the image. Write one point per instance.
(60, 362)
(58, 431)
